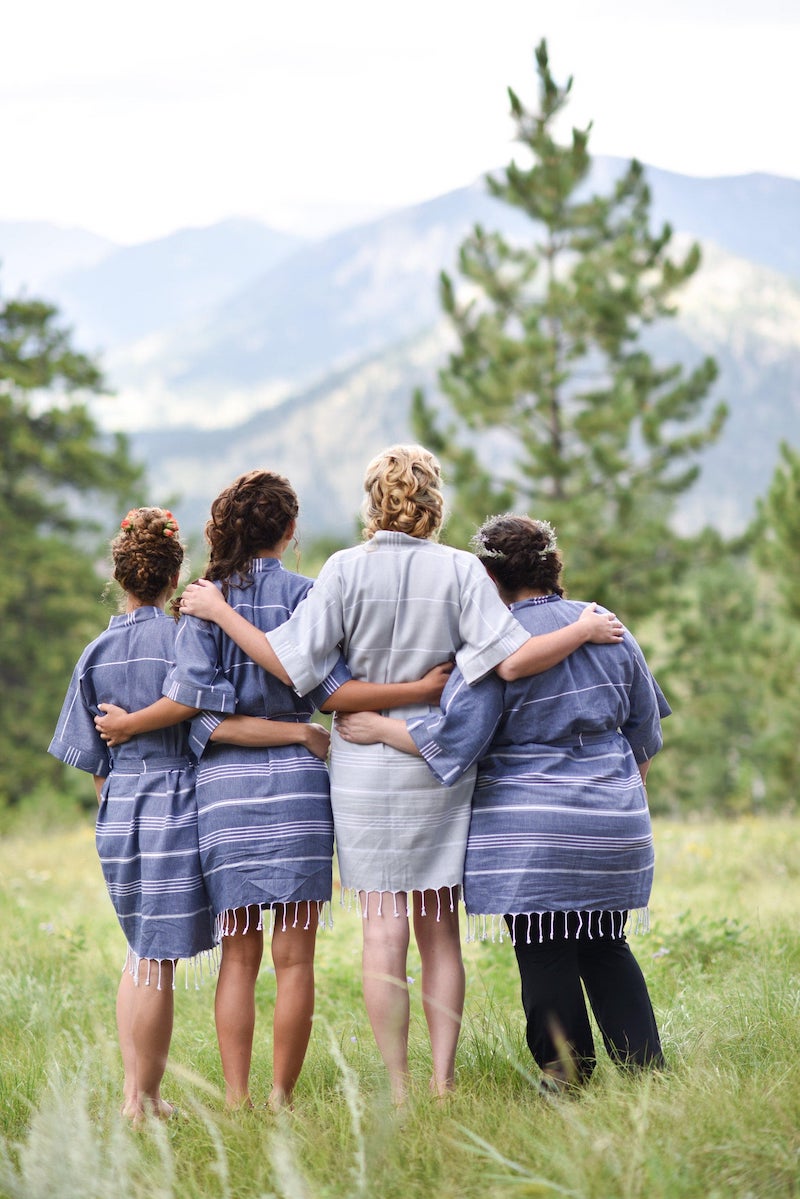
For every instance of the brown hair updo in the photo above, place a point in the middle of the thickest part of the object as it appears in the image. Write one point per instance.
(520, 553)
(402, 492)
(253, 514)
(147, 553)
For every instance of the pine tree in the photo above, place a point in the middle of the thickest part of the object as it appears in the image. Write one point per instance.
(775, 669)
(776, 533)
(55, 469)
(551, 402)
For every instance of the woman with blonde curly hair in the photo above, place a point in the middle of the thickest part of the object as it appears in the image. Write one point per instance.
(395, 606)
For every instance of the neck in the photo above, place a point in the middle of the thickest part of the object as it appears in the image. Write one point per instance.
(132, 602)
(516, 597)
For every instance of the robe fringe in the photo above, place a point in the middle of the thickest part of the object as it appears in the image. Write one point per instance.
(266, 917)
(352, 899)
(541, 926)
(149, 971)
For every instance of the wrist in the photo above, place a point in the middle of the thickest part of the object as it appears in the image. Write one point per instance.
(222, 616)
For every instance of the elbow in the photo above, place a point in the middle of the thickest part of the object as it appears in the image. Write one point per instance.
(507, 671)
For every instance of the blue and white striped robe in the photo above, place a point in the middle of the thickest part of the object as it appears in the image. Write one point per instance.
(147, 820)
(266, 830)
(560, 820)
(396, 606)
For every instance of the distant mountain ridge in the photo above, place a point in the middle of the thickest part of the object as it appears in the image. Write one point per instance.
(35, 254)
(754, 216)
(258, 347)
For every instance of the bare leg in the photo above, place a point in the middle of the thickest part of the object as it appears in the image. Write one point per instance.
(152, 1033)
(384, 969)
(293, 943)
(235, 1003)
(126, 995)
(439, 944)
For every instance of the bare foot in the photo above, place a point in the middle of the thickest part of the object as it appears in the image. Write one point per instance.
(441, 1090)
(279, 1101)
(139, 1111)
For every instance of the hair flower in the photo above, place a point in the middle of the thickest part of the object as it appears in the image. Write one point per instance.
(480, 546)
(549, 533)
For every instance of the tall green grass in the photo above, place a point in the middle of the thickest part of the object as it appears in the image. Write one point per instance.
(722, 962)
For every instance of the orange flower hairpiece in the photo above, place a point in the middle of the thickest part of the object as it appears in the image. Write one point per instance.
(170, 526)
(126, 521)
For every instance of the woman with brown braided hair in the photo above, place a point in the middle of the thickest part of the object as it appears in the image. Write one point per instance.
(265, 823)
(395, 606)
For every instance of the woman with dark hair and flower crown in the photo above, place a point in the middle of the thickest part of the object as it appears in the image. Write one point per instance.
(560, 846)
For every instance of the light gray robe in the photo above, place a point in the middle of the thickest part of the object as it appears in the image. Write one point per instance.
(396, 606)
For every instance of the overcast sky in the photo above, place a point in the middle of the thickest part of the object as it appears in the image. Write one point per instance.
(133, 120)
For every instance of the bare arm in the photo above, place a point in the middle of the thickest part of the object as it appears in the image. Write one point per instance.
(118, 726)
(358, 696)
(98, 786)
(365, 728)
(643, 769)
(206, 601)
(548, 649)
(257, 731)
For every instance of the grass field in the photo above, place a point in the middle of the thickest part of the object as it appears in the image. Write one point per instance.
(722, 963)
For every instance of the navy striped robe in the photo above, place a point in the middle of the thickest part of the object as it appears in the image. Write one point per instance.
(147, 821)
(560, 820)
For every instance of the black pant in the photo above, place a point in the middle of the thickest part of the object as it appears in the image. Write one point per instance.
(575, 948)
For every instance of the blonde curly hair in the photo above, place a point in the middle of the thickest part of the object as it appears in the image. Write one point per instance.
(402, 486)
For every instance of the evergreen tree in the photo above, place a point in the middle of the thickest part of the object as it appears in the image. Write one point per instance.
(775, 673)
(715, 634)
(733, 675)
(776, 534)
(551, 401)
(54, 469)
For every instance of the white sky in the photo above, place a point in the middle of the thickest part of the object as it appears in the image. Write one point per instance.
(135, 119)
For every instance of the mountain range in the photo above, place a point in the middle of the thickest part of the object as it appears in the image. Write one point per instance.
(238, 345)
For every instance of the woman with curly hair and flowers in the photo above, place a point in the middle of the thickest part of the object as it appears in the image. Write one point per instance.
(147, 818)
(395, 606)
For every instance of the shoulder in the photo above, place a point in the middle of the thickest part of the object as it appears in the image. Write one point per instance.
(92, 653)
(467, 566)
(292, 582)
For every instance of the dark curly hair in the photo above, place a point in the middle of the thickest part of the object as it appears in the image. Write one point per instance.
(147, 553)
(520, 553)
(253, 514)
